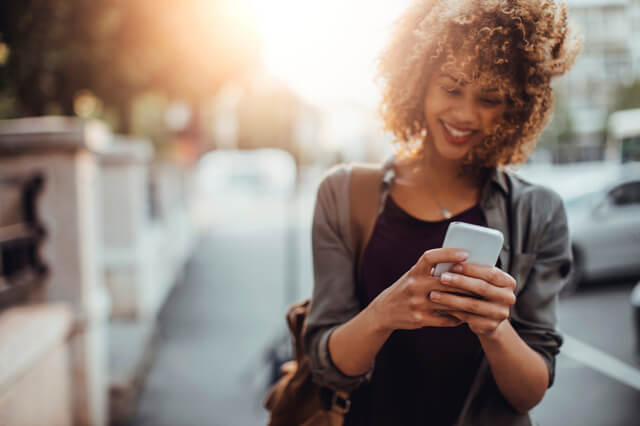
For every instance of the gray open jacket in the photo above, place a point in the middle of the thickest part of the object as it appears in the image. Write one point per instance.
(536, 252)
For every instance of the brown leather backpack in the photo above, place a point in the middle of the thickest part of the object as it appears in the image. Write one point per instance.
(295, 400)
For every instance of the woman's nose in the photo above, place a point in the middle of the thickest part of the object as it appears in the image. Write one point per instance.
(465, 112)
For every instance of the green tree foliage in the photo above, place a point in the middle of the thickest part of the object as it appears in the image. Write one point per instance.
(628, 97)
(118, 49)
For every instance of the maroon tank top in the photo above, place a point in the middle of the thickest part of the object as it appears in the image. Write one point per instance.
(421, 377)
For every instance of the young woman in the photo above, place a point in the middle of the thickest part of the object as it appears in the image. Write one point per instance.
(466, 91)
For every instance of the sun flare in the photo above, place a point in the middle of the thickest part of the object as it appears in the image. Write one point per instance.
(325, 50)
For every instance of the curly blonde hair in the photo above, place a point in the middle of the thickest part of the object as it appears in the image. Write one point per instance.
(519, 45)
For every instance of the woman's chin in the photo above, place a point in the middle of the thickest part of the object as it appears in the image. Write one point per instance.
(446, 151)
(453, 154)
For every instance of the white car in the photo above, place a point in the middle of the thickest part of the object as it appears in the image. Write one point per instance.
(635, 306)
(604, 224)
(602, 201)
(245, 188)
(232, 175)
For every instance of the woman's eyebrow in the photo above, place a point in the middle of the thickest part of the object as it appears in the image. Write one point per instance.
(450, 77)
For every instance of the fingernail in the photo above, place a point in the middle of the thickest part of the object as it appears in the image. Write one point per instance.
(435, 295)
(462, 255)
(457, 268)
(446, 277)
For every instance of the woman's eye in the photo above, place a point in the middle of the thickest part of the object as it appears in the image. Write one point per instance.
(451, 90)
(490, 101)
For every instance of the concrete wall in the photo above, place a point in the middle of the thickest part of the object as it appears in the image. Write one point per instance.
(35, 379)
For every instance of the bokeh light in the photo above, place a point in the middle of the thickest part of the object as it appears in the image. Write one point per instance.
(86, 104)
(4, 53)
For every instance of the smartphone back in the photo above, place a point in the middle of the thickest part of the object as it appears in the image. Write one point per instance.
(483, 244)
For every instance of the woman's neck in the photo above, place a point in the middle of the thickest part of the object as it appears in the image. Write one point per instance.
(444, 175)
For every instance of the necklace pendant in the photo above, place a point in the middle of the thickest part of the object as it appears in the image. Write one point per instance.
(446, 213)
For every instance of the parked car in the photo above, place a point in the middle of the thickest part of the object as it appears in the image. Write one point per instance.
(604, 224)
(602, 201)
(635, 307)
(238, 175)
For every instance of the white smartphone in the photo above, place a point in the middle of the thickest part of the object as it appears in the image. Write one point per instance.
(483, 244)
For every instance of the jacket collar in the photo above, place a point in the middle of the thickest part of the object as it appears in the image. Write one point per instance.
(495, 177)
(498, 177)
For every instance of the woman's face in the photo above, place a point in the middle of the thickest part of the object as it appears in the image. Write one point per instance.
(459, 113)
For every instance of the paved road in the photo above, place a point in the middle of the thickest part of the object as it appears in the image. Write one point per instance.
(599, 317)
(215, 326)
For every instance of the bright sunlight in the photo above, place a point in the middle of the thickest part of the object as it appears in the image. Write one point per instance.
(325, 50)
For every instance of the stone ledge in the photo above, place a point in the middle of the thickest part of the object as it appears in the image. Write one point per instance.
(28, 333)
(126, 150)
(41, 396)
(52, 133)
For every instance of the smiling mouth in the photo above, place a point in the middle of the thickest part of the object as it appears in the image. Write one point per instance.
(456, 135)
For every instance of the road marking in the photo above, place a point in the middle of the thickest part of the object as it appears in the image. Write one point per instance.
(601, 361)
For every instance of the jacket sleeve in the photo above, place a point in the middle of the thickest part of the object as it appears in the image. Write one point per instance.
(545, 271)
(334, 300)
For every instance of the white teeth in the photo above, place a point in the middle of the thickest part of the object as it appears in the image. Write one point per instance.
(455, 132)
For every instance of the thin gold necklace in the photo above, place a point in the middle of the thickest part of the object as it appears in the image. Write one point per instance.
(445, 211)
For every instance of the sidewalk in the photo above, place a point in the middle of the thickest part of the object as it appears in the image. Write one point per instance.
(209, 367)
(213, 331)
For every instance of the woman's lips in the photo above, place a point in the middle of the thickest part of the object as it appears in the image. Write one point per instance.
(460, 136)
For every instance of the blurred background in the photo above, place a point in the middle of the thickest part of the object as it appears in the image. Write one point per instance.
(158, 168)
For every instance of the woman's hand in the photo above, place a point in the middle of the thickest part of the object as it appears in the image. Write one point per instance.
(406, 305)
(494, 287)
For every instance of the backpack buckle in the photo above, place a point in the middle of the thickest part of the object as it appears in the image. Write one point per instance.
(340, 404)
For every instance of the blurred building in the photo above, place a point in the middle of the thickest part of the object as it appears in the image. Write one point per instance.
(252, 114)
(266, 114)
(610, 59)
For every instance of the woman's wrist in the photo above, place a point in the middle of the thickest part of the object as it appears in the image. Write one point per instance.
(497, 335)
(376, 320)
(354, 345)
